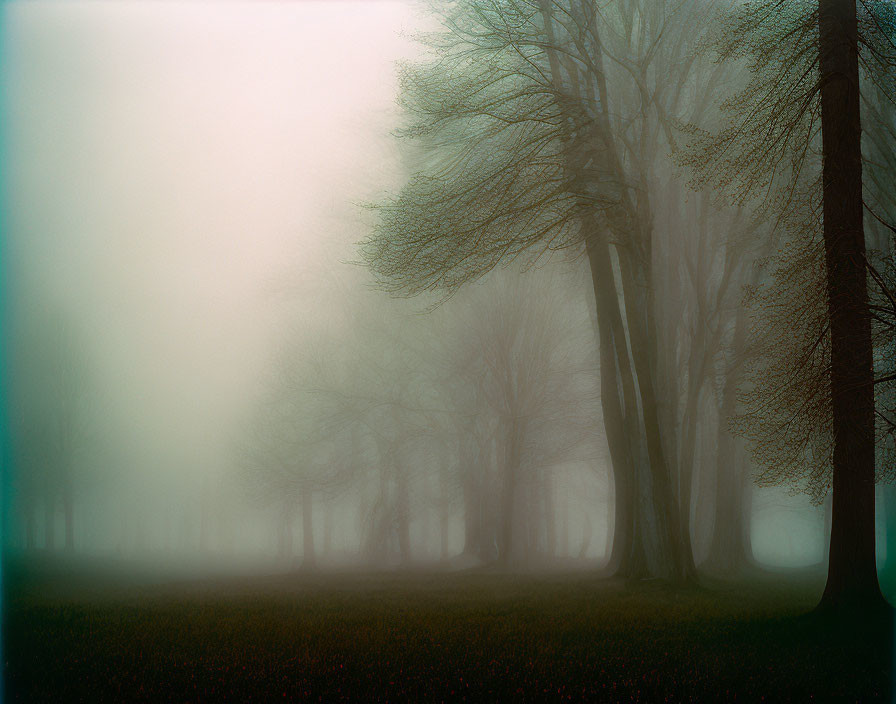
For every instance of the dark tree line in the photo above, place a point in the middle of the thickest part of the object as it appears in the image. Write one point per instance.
(473, 412)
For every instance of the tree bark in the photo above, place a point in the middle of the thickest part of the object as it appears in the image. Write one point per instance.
(621, 425)
(852, 573)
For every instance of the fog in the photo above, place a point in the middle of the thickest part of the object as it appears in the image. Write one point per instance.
(181, 180)
(490, 350)
(203, 371)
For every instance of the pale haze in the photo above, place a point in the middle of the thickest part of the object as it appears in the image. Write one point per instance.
(441, 350)
(185, 182)
(174, 169)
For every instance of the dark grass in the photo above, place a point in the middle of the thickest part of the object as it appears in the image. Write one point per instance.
(473, 636)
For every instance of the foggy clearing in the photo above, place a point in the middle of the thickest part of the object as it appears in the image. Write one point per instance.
(485, 350)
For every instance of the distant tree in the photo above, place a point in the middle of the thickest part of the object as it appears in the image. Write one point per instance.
(53, 408)
(294, 451)
(375, 384)
(541, 390)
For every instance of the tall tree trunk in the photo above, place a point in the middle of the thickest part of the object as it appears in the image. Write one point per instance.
(308, 558)
(729, 550)
(827, 507)
(621, 423)
(621, 426)
(634, 263)
(640, 321)
(852, 572)
(690, 419)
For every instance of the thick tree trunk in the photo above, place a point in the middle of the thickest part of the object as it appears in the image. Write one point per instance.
(621, 424)
(827, 507)
(852, 573)
(639, 308)
(308, 557)
(642, 331)
(687, 465)
(729, 551)
(640, 321)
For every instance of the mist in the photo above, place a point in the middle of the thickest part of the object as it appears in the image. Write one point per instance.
(454, 301)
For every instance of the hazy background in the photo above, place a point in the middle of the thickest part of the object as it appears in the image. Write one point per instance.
(182, 185)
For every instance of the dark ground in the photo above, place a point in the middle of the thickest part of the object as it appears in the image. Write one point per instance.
(472, 636)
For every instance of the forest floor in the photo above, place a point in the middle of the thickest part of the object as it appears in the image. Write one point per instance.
(472, 636)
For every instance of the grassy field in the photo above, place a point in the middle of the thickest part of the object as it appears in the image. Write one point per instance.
(472, 636)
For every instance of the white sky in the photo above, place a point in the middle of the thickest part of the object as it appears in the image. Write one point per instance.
(172, 162)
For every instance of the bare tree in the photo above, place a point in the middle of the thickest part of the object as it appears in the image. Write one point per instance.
(296, 450)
